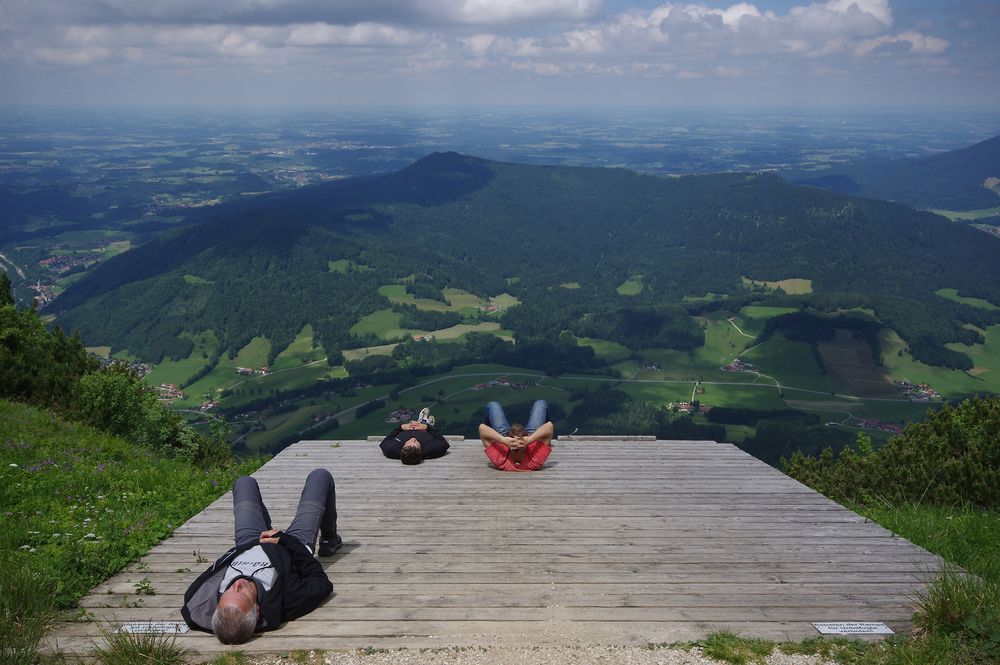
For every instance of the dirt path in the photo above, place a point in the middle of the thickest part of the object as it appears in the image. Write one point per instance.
(576, 655)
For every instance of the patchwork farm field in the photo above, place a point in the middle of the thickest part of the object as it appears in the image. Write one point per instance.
(846, 387)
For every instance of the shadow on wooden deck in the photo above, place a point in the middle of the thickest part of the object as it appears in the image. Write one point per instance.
(619, 542)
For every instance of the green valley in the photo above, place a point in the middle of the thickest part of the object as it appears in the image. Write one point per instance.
(291, 313)
(302, 395)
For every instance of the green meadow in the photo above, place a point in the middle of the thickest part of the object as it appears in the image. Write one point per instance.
(791, 363)
(950, 383)
(384, 324)
(249, 388)
(608, 351)
(505, 300)
(342, 266)
(179, 371)
(464, 303)
(968, 215)
(790, 286)
(224, 375)
(303, 349)
(952, 294)
(723, 343)
(631, 287)
(753, 317)
(708, 297)
(287, 424)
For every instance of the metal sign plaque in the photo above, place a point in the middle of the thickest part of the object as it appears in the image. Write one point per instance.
(853, 628)
(153, 627)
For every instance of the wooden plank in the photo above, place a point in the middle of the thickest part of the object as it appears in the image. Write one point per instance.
(359, 596)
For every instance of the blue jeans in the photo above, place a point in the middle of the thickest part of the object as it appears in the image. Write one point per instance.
(316, 512)
(497, 419)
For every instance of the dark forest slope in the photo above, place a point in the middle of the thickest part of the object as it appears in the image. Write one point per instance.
(262, 267)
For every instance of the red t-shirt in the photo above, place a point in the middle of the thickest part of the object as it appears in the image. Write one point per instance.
(534, 456)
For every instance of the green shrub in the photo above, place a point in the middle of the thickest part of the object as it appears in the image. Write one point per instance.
(950, 458)
(36, 365)
(117, 401)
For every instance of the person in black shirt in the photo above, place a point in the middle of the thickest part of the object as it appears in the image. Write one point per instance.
(415, 441)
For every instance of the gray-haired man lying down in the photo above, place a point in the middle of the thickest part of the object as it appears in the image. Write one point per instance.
(269, 576)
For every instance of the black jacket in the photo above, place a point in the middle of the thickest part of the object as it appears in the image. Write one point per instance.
(300, 585)
(431, 442)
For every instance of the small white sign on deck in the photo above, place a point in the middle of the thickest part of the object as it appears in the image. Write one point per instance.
(853, 628)
(153, 627)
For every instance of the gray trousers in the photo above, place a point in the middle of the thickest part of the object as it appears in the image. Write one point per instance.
(316, 513)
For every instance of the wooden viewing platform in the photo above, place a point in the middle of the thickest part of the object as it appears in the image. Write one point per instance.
(618, 542)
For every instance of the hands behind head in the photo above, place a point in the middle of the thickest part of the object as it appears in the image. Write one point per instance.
(516, 442)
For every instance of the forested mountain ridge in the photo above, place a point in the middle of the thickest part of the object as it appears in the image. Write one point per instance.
(262, 267)
(963, 179)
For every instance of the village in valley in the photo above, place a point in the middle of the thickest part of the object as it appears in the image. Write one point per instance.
(917, 392)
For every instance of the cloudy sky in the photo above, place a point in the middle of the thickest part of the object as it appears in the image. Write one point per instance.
(258, 53)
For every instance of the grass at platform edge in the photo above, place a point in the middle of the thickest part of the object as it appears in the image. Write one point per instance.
(138, 649)
(77, 506)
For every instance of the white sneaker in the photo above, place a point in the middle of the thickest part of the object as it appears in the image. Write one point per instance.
(425, 416)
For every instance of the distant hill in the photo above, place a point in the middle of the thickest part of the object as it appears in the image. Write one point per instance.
(964, 179)
(263, 266)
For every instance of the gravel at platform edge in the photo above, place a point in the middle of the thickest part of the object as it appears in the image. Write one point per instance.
(589, 655)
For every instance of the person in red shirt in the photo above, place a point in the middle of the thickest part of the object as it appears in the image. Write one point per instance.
(513, 447)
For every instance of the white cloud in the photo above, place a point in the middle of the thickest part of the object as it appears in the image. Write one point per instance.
(732, 16)
(584, 41)
(386, 38)
(878, 8)
(728, 72)
(363, 34)
(479, 44)
(538, 68)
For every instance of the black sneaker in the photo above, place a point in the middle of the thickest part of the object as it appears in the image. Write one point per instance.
(328, 546)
